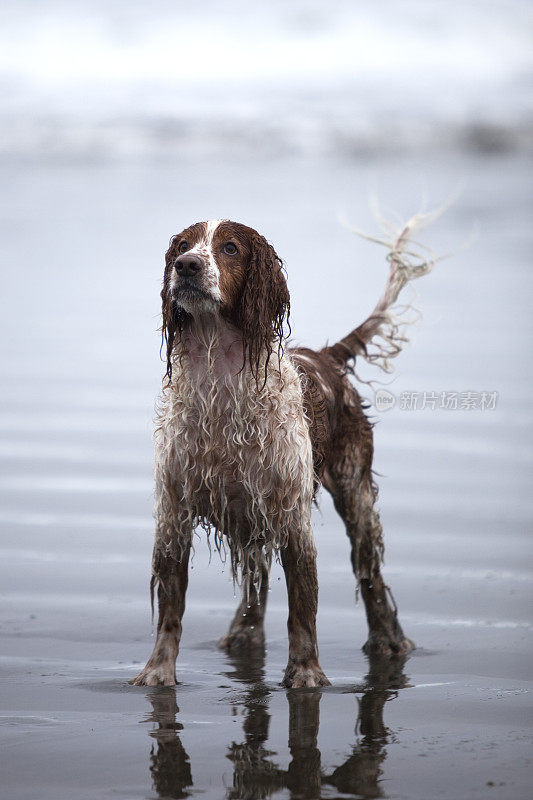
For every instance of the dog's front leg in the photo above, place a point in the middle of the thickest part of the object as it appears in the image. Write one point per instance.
(171, 577)
(299, 563)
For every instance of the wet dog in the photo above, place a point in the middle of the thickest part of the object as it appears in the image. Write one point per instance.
(247, 431)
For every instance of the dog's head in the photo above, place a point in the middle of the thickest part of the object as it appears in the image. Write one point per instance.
(225, 268)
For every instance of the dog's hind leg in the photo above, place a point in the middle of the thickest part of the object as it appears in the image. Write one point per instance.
(171, 578)
(246, 631)
(354, 498)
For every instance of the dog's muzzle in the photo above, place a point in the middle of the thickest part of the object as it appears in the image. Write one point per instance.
(187, 286)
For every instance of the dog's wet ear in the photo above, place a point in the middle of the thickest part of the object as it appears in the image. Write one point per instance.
(264, 304)
(174, 316)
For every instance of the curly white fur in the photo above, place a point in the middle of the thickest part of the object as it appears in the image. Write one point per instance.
(232, 457)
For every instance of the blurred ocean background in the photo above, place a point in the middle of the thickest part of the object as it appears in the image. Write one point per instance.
(101, 79)
(123, 122)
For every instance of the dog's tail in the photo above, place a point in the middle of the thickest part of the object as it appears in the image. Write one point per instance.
(382, 335)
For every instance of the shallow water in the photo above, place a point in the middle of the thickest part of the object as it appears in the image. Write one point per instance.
(82, 252)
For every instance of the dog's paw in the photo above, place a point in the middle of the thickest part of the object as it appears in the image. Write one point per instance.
(160, 675)
(243, 639)
(380, 644)
(304, 676)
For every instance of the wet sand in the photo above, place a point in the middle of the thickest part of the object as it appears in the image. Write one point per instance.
(82, 252)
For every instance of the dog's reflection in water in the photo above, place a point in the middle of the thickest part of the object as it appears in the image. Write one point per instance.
(169, 763)
(361, 771)
(255, 773)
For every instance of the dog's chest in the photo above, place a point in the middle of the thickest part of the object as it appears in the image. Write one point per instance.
(228, 444)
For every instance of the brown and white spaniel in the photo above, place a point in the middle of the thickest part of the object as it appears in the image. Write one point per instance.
(247, 430)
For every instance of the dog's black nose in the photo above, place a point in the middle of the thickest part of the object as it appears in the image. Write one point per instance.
(188, 264)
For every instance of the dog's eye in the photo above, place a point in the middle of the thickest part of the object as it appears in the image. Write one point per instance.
(183, 247)
(230, 248)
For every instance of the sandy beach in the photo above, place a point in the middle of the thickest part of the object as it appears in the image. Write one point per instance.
(124, 122)
(82, 249)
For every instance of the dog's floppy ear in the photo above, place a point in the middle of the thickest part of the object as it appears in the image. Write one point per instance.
(174, 317)
(264, 304)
